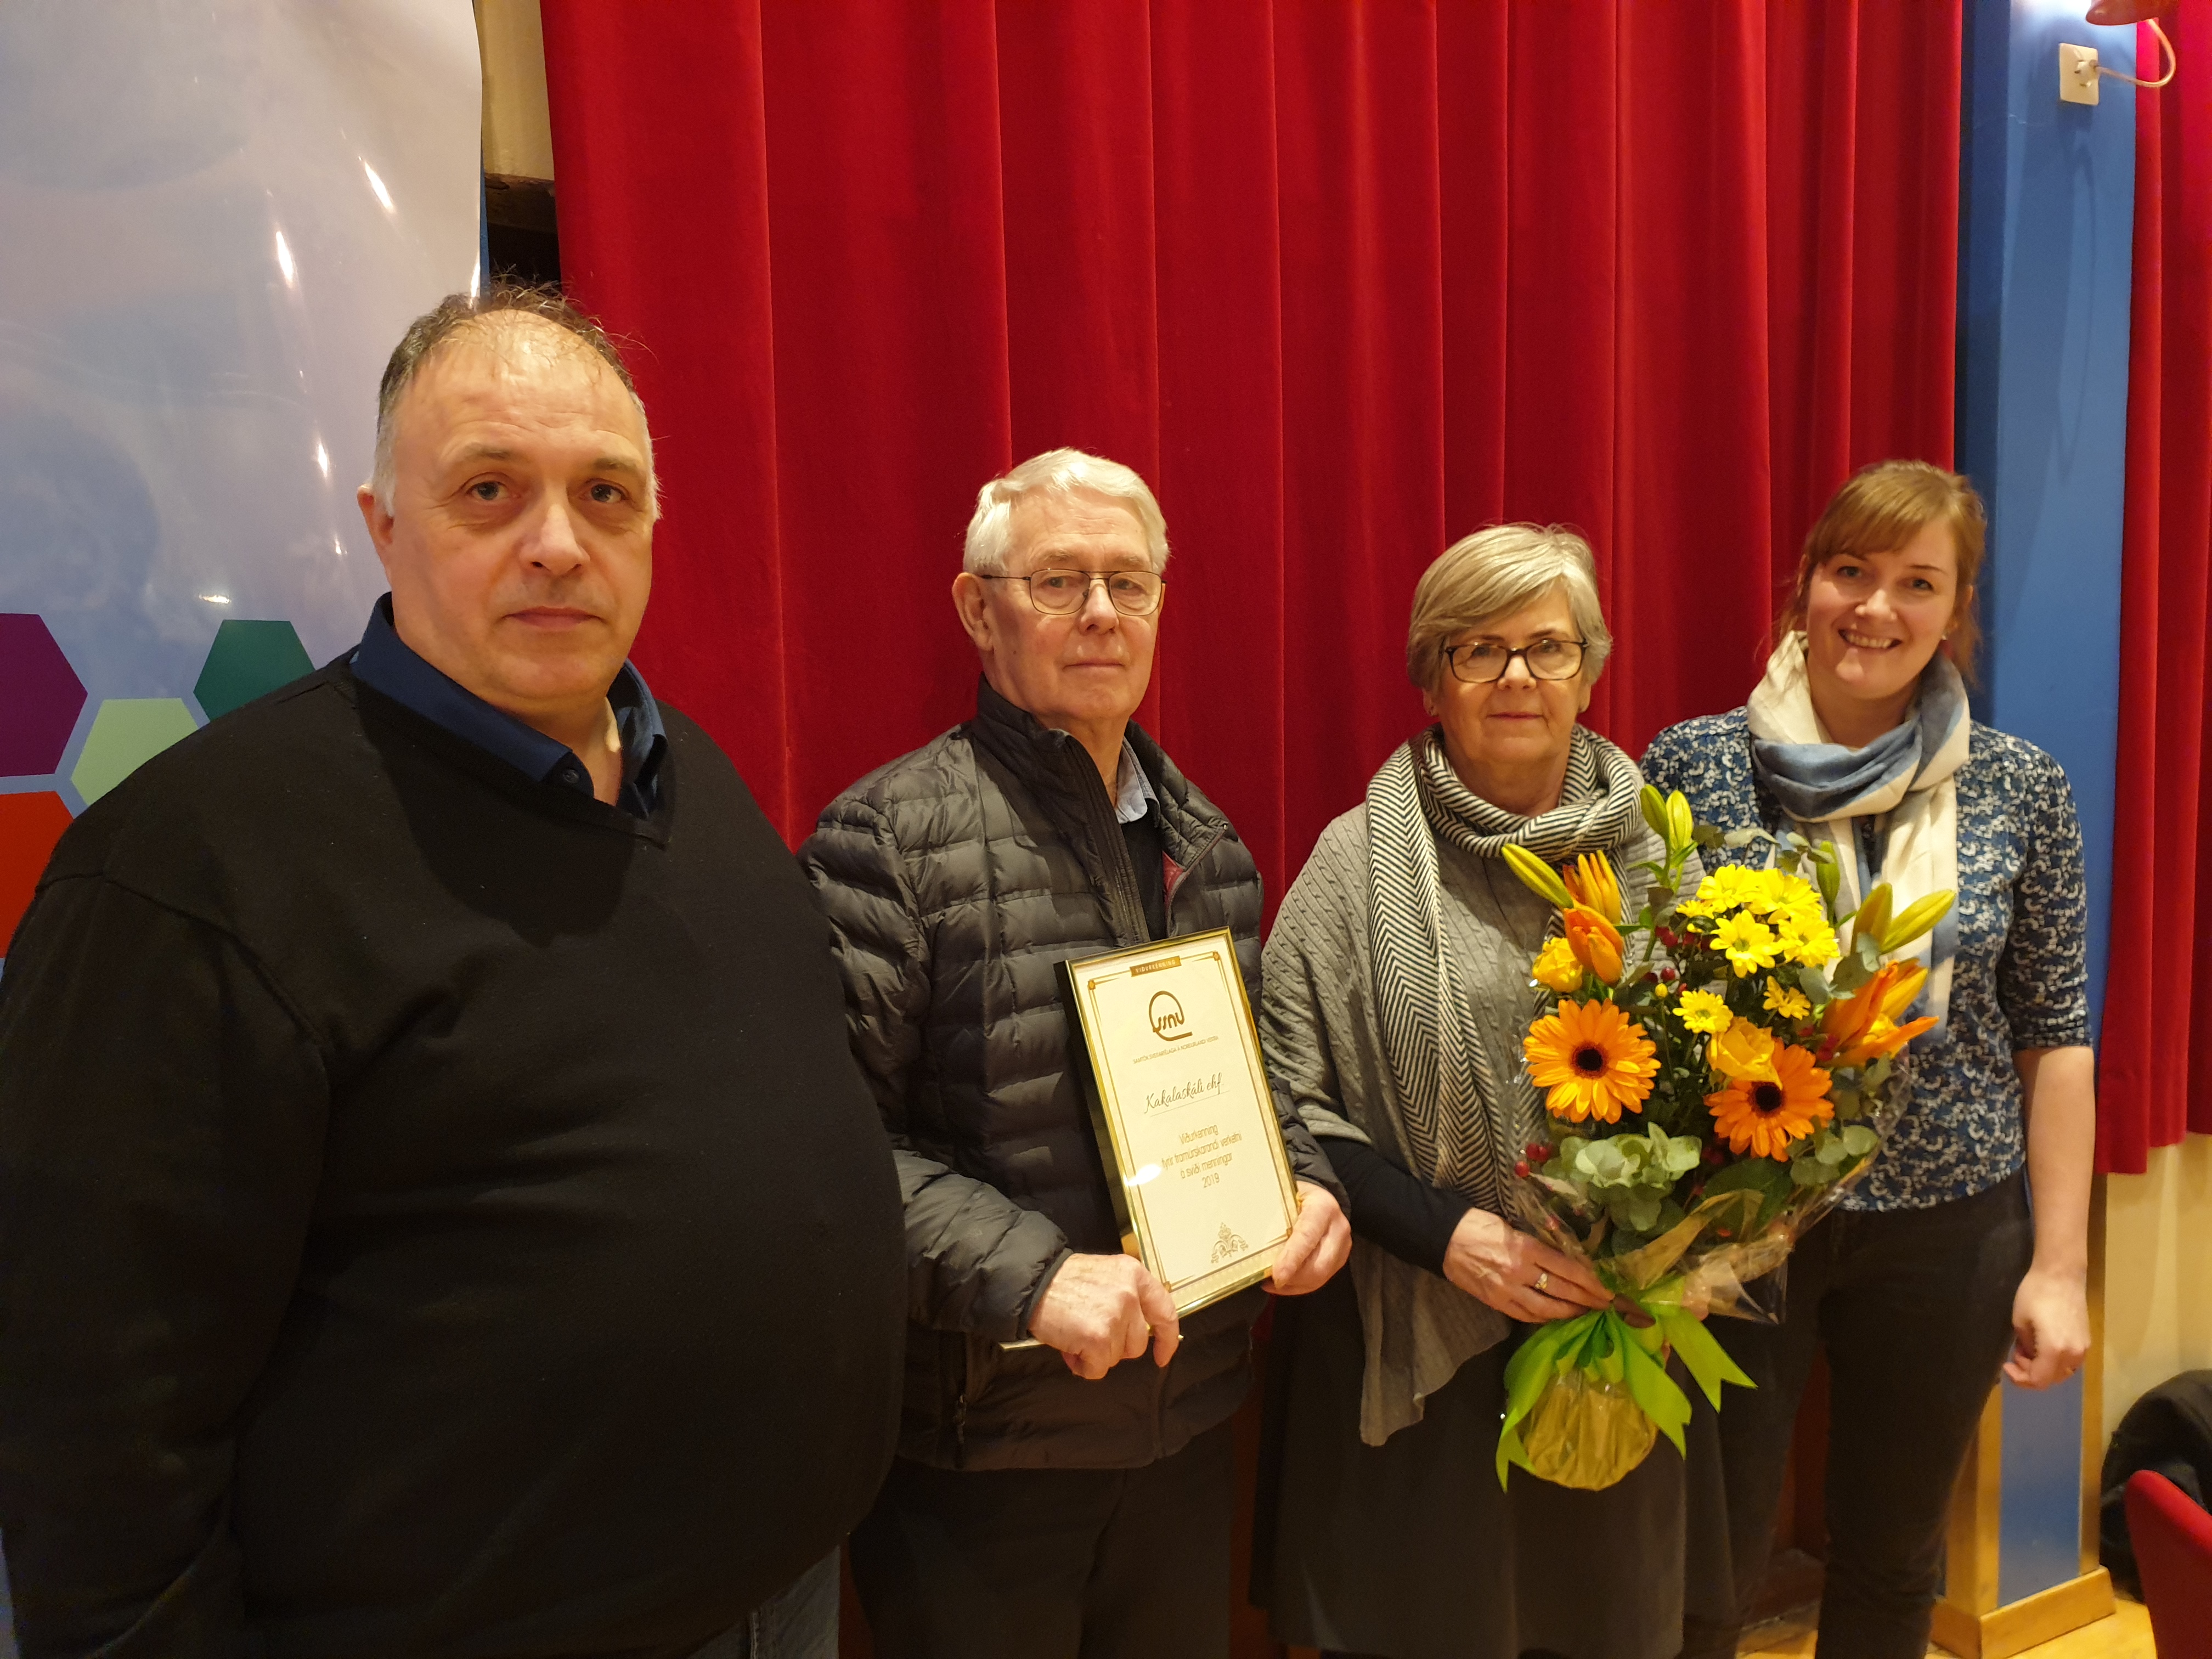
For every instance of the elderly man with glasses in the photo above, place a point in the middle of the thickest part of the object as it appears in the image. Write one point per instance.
(1072, 1496)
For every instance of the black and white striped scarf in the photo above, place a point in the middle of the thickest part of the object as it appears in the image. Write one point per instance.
(1460, 1108)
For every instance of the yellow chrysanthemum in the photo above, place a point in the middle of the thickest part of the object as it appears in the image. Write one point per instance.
(1557, 967)
(1593, 1059)
(1748, 944)
(1787, 1001)
(1706, 1011)
(1763, 1116)
(1806, 937)
(1767, 890)
(1729, 888)
(1790, 892)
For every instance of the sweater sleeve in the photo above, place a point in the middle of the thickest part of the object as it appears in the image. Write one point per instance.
(161, 1124)
(976, 1260)
(2043, 982)
(1395, 1208)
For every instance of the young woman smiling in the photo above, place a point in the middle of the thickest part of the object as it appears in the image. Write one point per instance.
(1932, 1272)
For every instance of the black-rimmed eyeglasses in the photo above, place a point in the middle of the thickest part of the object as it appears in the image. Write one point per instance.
(1061, 592)
(1485, 660)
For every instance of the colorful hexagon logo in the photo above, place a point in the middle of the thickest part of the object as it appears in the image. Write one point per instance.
(29, 827)
(126, 733)
(40, 698)
(247, 660)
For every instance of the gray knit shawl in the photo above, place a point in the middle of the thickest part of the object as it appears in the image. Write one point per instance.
(1459, 1102)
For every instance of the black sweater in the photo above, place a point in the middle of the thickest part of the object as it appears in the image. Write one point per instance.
(439, 1213)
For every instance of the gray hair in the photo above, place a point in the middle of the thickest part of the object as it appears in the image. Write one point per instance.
(1058, 472)
(1493, 573)
(434, 329)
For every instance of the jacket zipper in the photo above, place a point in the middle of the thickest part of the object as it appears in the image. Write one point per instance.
(1189, 870)
(1123, 902)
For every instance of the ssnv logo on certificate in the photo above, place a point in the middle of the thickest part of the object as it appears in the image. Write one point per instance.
(1195, 1165)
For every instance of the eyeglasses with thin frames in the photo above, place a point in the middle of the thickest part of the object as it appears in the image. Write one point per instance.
(1058, 591)
(1486, 661)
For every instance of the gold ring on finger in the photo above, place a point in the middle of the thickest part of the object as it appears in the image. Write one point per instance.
(1543, 1281)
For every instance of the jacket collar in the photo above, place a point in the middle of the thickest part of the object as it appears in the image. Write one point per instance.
(1059, 769)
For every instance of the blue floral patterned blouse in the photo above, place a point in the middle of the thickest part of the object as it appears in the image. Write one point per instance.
(2020, 979)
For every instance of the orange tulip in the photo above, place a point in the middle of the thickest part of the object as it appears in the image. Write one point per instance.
(1595, 943)
(1591, 880)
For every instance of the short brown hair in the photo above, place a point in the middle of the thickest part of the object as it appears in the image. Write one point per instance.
(1879, 509)
(435, 327)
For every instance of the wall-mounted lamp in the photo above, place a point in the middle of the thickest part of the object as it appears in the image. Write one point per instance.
(2079, 72)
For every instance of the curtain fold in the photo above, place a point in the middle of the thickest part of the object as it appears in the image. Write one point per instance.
(2153, 1077)
(1345, 281)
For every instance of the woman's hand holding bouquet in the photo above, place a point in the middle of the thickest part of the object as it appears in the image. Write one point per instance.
(1715, 1071)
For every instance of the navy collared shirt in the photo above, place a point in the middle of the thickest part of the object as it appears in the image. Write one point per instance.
(384, 661)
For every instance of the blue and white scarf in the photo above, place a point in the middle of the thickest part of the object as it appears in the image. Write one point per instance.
(1907, 773)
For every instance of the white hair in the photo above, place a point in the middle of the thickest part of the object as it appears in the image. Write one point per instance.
(1062, 473)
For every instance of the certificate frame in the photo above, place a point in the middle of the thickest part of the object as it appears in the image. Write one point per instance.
(1167, 1117)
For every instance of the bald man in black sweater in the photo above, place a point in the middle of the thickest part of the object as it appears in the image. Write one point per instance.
(438, 1212)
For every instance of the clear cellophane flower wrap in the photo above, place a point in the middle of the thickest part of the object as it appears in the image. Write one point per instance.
(1716, 1071)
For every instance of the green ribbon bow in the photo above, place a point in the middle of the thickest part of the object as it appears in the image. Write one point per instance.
(1607, 1346)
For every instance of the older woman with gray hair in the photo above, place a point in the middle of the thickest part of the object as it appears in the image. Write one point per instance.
(1397, 993)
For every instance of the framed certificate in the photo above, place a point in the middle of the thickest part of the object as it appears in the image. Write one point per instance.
(1195, 1160)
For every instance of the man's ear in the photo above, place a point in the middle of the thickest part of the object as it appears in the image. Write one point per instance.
(379, 525)
(971, 601)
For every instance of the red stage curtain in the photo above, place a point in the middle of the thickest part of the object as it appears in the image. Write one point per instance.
(2155, 1082)
(1343, 280)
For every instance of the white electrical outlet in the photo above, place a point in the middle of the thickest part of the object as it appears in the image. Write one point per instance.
(2077, 75)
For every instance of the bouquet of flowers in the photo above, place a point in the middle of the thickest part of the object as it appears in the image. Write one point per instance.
(1717, 1070)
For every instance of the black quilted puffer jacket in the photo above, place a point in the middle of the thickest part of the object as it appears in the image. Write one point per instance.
(954, 879)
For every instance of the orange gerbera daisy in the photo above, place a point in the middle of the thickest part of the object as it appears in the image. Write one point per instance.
(1592, 1059)
(1763, 1116)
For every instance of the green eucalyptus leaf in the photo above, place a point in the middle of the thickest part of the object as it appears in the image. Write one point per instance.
(1811, 1172)
(1858, 1139)
(1601, 1161)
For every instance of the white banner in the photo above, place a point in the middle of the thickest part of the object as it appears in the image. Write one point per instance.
(215, 220)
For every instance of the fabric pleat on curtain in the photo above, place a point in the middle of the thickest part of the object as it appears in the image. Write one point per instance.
(2154, 1080)
(1344, 282)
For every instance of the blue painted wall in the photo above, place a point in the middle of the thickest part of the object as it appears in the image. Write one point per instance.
(2047, 219)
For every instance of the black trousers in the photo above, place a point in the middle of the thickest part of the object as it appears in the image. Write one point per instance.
(1052, 1564)
(1914, 1309)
